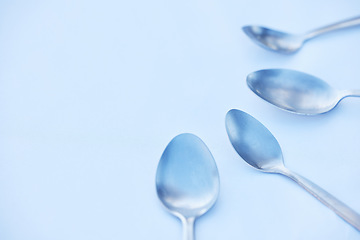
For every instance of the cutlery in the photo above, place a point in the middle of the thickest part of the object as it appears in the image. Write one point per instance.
(187, 180)
(283, 42)
(296, 91)
(260, 149)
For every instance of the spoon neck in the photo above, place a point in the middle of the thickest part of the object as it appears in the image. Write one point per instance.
(188, 228)
(281, 169)
(294, 176)
(350, 93)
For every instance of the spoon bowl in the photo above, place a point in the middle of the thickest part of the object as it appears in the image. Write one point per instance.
(296, 91)
(287, 43)
(260, 149)
(187, 180)
(248, 136)
(274, 40)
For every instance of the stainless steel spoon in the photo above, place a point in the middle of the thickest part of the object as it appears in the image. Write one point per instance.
(296, 91)
(259, 148)
(289, 43)
(187, 180)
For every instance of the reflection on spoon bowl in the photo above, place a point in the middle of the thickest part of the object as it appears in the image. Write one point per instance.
(296, 91)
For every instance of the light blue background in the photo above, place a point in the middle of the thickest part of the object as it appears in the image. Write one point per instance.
(91, 92)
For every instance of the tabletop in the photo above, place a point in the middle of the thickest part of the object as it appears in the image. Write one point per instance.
(91, 92)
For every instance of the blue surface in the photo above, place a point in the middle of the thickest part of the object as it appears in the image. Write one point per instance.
(91, 92)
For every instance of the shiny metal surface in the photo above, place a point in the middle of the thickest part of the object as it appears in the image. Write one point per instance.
(296, 91)
(187, 180)
(289, 43)
(259, 148)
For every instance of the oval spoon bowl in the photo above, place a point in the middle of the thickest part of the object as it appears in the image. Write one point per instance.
(187, 180)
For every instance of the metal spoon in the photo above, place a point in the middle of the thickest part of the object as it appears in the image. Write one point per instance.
(259, 148)
(288, 43)
(295, 91)
(187, 180)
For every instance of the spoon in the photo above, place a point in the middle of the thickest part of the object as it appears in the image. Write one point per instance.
(187, 180)
(289, 43)
(295, 91)
(259, 148)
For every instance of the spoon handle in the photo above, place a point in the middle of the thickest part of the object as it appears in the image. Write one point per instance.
(188, 228)
(327, 199)
(336, 26)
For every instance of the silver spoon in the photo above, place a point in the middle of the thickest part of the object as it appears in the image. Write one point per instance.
(187, 180)
(296, 91)
(259, 148)
(288, 43)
